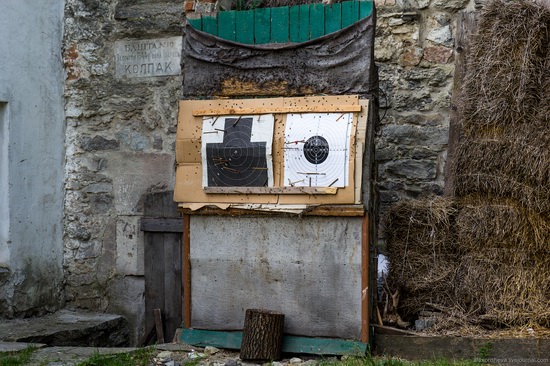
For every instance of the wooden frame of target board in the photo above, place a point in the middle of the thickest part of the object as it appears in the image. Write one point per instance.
(195, 196)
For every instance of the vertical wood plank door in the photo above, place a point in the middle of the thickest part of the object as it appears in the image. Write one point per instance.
(163, 265)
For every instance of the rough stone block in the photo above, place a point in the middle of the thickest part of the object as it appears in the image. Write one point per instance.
(129, 246)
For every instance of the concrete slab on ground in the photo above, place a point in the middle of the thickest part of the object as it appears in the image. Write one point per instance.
(502, 351)
(67, 328)
(18, 346)
(70, 356)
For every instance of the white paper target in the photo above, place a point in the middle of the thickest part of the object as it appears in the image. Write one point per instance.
(317, 148)
(237, 151)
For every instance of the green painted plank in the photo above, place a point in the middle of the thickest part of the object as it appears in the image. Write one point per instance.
(291, 344)
(226, 25)
(262, 25)
(350, 13)
(196, 23)
(333, 18)
(317, 20)
(279, 25)
(210, 25)
(304, 32)
(365, 8)
(294, 23)
(245, 26)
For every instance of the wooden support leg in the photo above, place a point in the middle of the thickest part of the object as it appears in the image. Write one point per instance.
(158, 326)
(262, 335)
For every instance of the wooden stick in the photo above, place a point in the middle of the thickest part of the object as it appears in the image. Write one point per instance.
(186, 272)
(158, 326)
(268, 110)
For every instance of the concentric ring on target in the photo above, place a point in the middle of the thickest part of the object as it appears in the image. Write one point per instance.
(316, 149)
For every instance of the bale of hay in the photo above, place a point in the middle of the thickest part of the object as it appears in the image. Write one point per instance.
(505, 70)
(509, 166)
(421, 252)
(482, 223)
(510, 286)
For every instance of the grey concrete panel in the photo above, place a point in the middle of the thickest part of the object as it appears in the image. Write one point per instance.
(307, 268)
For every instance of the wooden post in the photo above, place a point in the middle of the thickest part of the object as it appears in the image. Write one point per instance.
(262, 335)
(365, 291)
(186, 272)
(466, 28)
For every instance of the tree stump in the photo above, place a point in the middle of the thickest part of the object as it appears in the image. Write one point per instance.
(262, 335)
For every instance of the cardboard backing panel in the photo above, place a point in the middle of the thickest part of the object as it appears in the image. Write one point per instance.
(188, 189)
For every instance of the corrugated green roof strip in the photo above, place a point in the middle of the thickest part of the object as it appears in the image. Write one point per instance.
(287, 24)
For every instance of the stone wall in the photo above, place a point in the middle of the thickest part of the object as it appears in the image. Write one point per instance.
(121, 124)
(121, 130)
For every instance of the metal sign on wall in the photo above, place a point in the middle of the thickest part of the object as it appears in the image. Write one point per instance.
(148, 57)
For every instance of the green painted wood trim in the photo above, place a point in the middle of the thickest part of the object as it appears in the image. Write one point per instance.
(294, 21)
(350, 13)
(297, 24)
(333, 18)
(262, 26)
(279, 25)
(226, 25)
(317, 20)
(304, 33)
(365, 9)
(245, 24)
(210, 25)
(196, 23)
(291, 344)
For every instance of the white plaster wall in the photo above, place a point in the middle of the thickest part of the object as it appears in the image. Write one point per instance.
(4, 202)
(31, 83)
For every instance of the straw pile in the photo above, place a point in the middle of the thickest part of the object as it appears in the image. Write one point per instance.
(421, 251)
(495, 241)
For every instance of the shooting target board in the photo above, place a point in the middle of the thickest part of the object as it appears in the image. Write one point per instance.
(236, 151)
(270, 152)
(317, 149)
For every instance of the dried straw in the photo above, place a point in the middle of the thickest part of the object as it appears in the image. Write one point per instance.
(509, 286)
(421, 252)
(503, 83)
(482, 223)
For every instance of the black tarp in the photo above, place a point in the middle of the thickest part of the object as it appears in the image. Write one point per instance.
(338, 63)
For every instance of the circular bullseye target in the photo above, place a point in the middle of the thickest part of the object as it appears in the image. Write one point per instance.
(316, 149)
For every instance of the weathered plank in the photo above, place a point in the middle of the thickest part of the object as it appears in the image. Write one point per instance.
(163, 224)
(262, 25)
(294, 24)
(466, 27)
(245, 25)
(271, 190)
(291, 344)
(350, 13)
(226, 25)
(266, 110)
(210, 25)
(324, 210)
(333, 18)
(279, 25)
(304, 33)
(162, 263)
(317, 20)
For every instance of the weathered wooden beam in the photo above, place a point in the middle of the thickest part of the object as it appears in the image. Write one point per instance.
(161, 224)
(268, 110)
(291, 344)
(159, 328)
(271, 190)
(324, 210)
(466, 28)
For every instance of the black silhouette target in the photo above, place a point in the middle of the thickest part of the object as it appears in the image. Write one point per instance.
(316, 149)
(236, 161)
